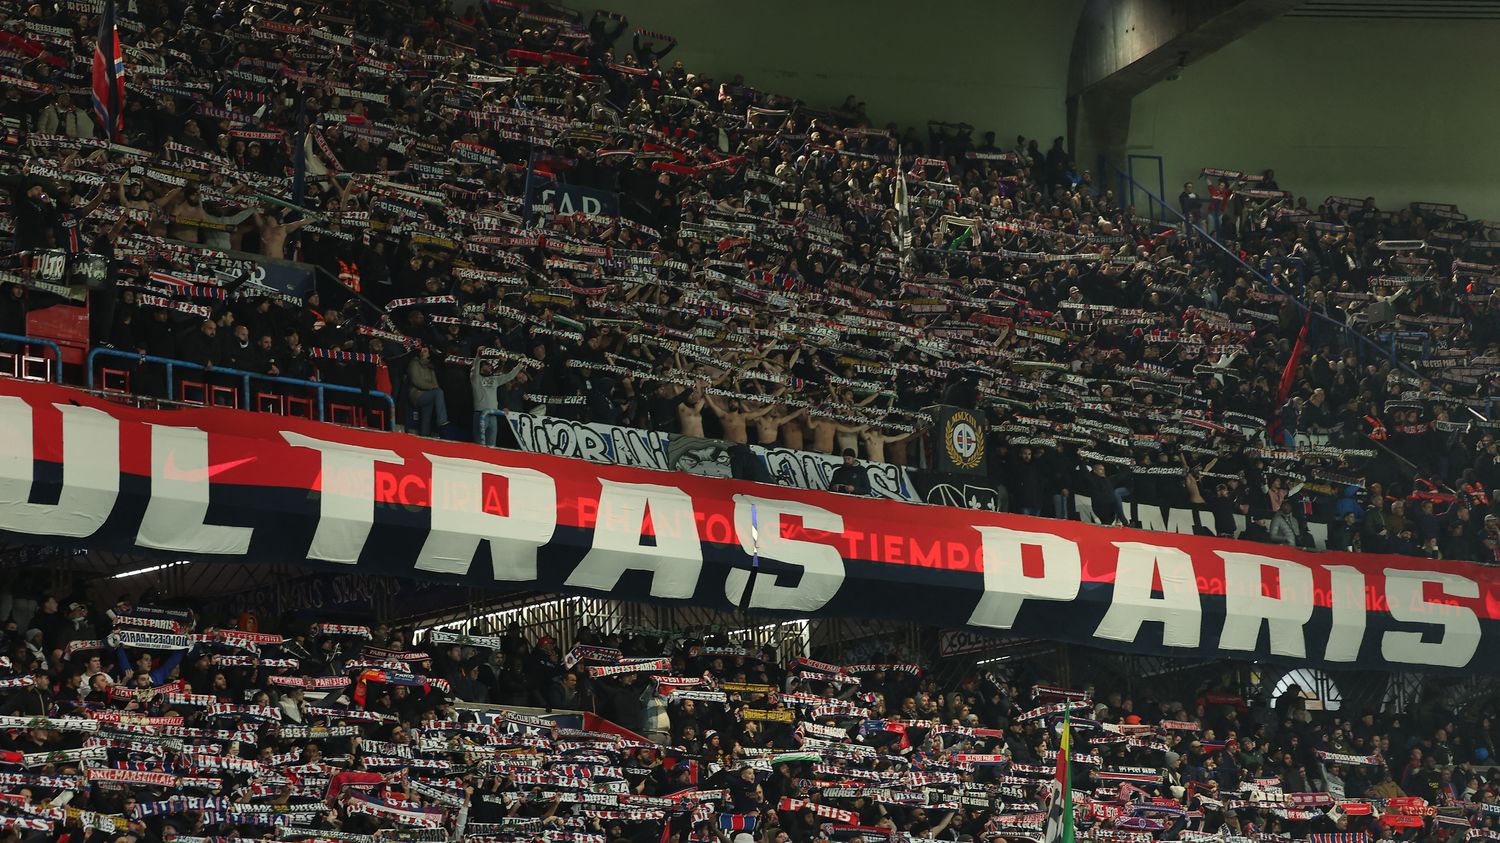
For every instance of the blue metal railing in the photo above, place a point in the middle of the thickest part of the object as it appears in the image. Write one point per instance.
(49, 344)
(318, 388)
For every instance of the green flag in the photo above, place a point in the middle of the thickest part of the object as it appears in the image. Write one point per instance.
(1060, 812)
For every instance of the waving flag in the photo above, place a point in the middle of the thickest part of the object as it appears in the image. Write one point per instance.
(1060, 809)
(109, 75)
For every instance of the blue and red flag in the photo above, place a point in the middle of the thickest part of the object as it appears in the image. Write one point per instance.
(109, 75)
(737, 822)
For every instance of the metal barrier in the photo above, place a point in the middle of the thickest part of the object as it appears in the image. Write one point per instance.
(56, 352)
(171, 366)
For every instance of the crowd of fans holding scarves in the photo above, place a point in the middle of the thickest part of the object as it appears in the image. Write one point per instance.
(774, 274)
(153, 723)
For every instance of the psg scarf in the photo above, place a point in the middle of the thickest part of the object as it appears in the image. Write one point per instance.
(109, 75)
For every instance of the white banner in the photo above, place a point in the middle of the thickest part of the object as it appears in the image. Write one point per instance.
(616, 445)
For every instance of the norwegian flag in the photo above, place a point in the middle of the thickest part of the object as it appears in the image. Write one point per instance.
(109, 75)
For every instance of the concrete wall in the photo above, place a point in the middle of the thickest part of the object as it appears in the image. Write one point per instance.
(1001, 65)
(1404, 111)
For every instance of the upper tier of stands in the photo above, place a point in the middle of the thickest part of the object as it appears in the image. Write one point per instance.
(642, 246)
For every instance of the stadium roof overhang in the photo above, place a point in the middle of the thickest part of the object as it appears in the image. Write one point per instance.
(1123, 47)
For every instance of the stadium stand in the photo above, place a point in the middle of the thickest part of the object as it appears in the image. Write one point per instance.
(143, 723)
(524, 216)
(511, 214)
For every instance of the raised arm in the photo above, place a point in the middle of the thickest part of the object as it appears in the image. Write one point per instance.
(755, 414)
(93, 204)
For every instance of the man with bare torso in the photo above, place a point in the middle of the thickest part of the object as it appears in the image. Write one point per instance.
(690, 413)
(769, 428)
(794, 430)
(733, 416)
(273, 234)
(875, 442)
(822, 430)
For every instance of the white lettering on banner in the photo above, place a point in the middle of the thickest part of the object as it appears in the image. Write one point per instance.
(809, 470)
(956, 642)
(1246, 604)
(674, 561)
(758, 523)
(90, 477)
(601, 443)
(1347, 594)
(1173, 520)
(1406, 592)
(591, 205)
(346, 501)
(1006, 585)
(1422, 618)
(1179, 609)
(1160, 519)
(629, 446)
(176, 515)
(460, 522)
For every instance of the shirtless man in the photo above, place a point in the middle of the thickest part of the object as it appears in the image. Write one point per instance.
(690, 413)
(188, 206)
(734, 416)
(273, 234)
(768, 427)
(846, 437)
(822, 430)
(794, 430)
(875, 442)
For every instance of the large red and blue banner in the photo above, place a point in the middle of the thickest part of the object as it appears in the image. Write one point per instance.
(262, 489)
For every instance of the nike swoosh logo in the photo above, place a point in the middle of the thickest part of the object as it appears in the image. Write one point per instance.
(170, 471)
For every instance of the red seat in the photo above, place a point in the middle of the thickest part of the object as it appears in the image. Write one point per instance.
(114, 380)
(302, 407)
(10, 365)
(374, 419)
(224, 396)
(192, 392)
(342, 414)
(270, 402)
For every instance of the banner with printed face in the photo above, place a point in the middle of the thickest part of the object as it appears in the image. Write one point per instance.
(261, 489)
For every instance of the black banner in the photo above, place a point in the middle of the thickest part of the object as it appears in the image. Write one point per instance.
(573, 199)
(958, 445)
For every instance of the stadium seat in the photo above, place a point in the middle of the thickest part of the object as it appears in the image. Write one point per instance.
(114, 380)
(36, 368)
(224, 396)
(192, 392)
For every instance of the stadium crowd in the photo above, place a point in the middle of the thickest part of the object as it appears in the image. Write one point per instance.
(149, 723)
(527, 212)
